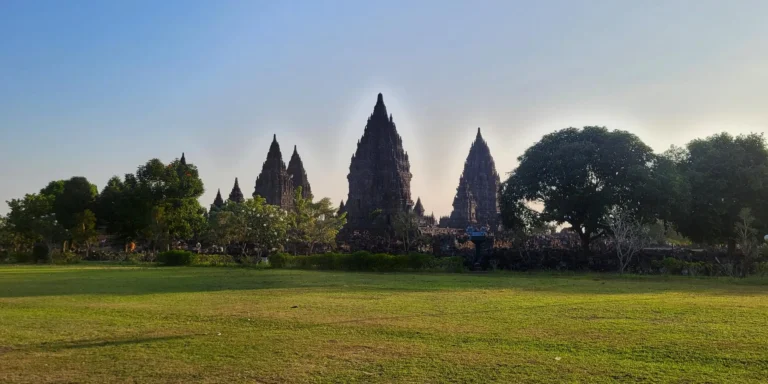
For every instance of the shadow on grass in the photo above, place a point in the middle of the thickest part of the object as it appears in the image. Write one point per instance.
(91, 343)
(30, 281)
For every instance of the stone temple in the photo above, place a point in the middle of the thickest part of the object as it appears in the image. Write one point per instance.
(274, 183)
(299, 175)
(477, 196)
(236, 195)
(379, 174)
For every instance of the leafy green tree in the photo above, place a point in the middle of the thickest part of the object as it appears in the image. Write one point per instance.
(578, 175)
(227, 225)
(265, 225)
(724, 175)
(156, 231)
(33, 221)
(313, 223)
(136, 206)
(84, 231)
(75, 196)
(53, 189)
(747, 239)
(406, 227)
(8, 238)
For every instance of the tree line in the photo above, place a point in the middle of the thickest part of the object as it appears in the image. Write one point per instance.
(158, 207)
(599, 183)
(608, 183)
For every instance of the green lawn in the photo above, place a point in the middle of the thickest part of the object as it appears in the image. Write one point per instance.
(75, 324)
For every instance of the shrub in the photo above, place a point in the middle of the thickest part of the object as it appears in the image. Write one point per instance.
(366, 261)
(279, 260)
(214, 260)
(20, 257)
(40, 254)
(176, 257)
(453, 264)
(67, 258)
(761, 269)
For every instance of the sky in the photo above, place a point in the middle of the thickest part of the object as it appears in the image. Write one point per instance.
(97, 88)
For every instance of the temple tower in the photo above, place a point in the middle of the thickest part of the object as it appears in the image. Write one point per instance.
(298, 175)
(274, 183)
(379, 174)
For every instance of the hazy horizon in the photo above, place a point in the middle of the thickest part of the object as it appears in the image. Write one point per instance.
(96, 89)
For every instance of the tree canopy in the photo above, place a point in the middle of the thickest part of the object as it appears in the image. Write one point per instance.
(159, 203)
(313, 223)
(724, 174)
(578, 175)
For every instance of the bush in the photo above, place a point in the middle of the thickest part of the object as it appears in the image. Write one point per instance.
(20, 257)
(67, 258)
(176, 257)
(40, 254)
(453, 264)
(366, 261)
(279, 260)
(214, 260)
(761, 269)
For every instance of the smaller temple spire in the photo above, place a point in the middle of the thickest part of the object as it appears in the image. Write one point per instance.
(218, 202)
(183, 159)
(419, 208)
(236, 195)
(342, 208)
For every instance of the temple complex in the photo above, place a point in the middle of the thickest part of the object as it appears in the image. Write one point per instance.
(379, 174)
(274, 183)
(236, 195)
(477, 197)
(298, 175)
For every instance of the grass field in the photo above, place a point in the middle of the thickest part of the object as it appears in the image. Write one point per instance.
(75, 324)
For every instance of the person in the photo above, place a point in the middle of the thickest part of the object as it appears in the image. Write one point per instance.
(198, 247)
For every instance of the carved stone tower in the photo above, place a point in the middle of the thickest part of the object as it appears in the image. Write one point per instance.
(478, 189)
(298, 175)
(379, 174)
(274, 183)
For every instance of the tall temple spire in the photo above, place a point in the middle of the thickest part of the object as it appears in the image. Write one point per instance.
(274, 183)
(218, 202)
(183, 159)
(379, 173)
(478, 188)
(299, 175)
(236, 195)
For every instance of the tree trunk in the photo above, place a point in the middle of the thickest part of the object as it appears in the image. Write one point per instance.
(584, 242)
(731, 247)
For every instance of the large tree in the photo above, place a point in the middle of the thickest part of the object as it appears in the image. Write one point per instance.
(265, 225)
(84, 231)
(313, 223)
(724, 174)
(158, 196)
(76, 196)
(32, 220)
(578, 175)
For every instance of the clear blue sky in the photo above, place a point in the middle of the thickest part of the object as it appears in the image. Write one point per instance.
(96, 88)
